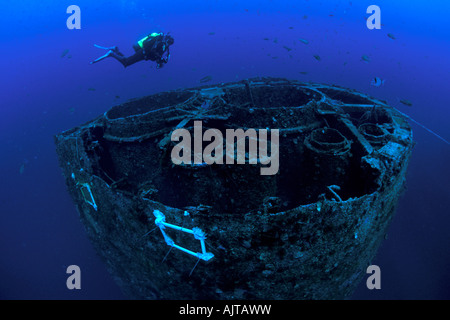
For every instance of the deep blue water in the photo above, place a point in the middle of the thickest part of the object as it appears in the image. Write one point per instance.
(44, 91)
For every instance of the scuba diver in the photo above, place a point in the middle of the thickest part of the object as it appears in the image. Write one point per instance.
(154, 47)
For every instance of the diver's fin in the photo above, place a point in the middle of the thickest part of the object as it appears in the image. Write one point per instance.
(105, 48)
(430, 131)
(108, 54)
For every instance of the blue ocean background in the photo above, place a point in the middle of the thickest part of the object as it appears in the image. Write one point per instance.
(48, 86)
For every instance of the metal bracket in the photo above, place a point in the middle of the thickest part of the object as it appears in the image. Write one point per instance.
(87, 194)
(160, 222)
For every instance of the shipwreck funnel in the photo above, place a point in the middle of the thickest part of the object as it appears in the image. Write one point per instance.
(201, 229)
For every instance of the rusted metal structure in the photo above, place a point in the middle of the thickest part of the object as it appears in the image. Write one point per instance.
(225, 231)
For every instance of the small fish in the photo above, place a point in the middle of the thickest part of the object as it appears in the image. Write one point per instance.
(91, 89)
(291, 28)
(211, 33)
(266, 39)
(117, 97)
(390, 35)
(22, 168)
(287, 48)
(63, 54)
(365, 58)
(317, 57)
(275, 40)
(205, 79)
(406, 102)
(304, 41)
(305, 17)
(303, 72)
(377, 82)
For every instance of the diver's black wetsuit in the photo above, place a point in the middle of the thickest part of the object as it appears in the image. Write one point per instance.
(154, 48)
(128, 61)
